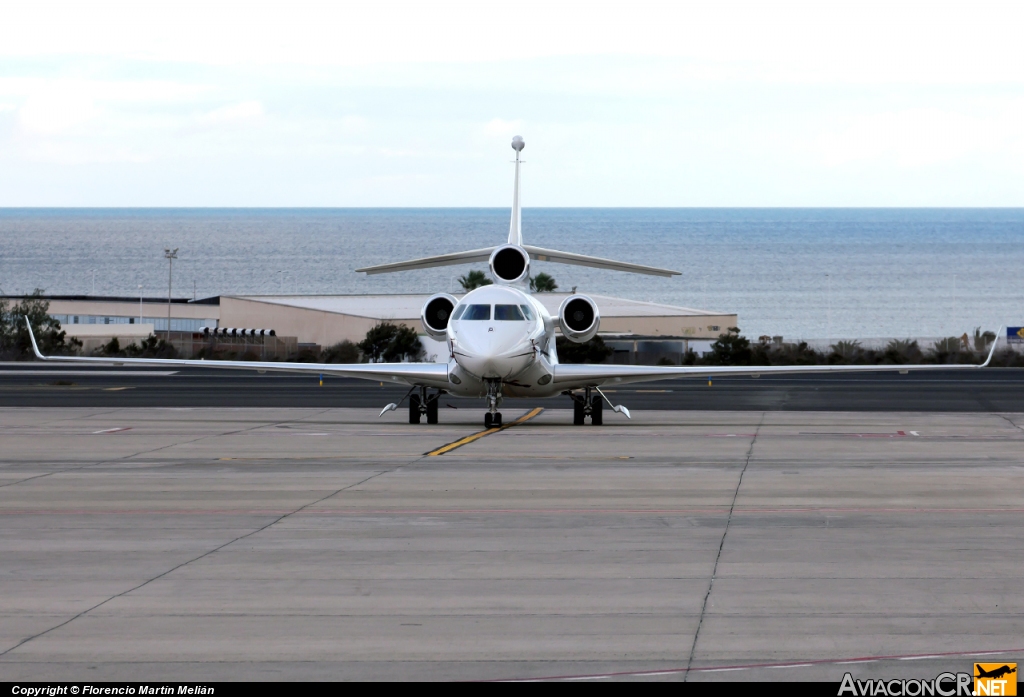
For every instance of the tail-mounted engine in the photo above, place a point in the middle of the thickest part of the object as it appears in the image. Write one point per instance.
(578, 318)
(435, 315)
(510, 264)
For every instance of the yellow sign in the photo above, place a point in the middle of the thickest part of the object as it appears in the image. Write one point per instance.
(995, 679)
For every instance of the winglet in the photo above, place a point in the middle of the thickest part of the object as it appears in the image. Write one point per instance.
(992, 352)
(32, 338)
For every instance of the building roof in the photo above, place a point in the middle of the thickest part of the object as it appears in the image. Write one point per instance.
(408, 306)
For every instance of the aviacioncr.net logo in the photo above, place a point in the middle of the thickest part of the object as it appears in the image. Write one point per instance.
(945, 685)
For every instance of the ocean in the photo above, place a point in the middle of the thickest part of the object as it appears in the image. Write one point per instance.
(799, 273)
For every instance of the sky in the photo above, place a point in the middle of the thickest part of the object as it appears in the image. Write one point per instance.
(415, 104)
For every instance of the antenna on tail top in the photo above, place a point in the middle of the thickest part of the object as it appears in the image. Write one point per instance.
(515, 231)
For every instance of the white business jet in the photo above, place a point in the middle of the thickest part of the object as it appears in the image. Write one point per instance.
(501, 341)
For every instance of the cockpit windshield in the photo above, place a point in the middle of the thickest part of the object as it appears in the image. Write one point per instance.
(477, 312)
(508, 313)
(527, 311)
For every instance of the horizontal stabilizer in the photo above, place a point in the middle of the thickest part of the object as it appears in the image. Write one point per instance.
(536, 253)
(541, 254)
(470, 257)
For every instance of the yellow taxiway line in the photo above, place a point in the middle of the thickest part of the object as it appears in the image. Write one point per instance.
(477, 436)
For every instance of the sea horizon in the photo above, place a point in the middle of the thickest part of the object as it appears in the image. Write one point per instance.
(800, 272)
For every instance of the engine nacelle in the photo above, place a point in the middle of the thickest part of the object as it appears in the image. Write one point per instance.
(510, 264)
(435, 315)
(579, 318)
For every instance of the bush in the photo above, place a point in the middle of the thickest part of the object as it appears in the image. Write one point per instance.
(151, 347)
(341, 352)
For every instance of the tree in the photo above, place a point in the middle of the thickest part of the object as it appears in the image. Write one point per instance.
(542, 283)
(390, 343)
(474, 279)
(846, 349)
(14, 339)
(983, 340)
(731, 349)
(341, 352)
(593, 351)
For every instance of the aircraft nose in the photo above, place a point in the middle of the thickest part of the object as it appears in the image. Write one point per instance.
(496, 356)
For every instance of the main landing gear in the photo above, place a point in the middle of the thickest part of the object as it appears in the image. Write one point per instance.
(587, 405)
(422, 404)
(492, 419)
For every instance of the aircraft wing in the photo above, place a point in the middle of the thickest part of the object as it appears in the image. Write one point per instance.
(468, 257)
(429, 374)
(573, 375)
(541, 254)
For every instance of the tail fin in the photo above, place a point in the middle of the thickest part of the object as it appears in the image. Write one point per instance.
(515, 237)
(515, 228)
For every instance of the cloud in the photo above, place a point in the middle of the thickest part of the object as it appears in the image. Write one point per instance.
(54, 111)
(234, 114)
(499, 128)
(924, 137)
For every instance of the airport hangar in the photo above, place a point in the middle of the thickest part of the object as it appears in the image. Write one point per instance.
(637, 331)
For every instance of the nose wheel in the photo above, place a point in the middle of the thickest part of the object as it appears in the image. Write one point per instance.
(492, 419)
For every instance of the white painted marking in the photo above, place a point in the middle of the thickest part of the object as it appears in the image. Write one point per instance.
(114, 430)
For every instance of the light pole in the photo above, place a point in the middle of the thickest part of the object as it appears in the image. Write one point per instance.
(170, 255)
(140, 303)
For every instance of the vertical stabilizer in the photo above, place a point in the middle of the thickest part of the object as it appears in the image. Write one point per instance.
(515, 229)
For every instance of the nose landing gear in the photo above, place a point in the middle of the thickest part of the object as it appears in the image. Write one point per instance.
(492, 419)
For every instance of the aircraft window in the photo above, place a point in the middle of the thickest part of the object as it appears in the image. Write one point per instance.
(527, 311)
(508, 312)
(477, 312)
(458, 311)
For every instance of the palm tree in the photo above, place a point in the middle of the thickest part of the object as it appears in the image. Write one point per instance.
(474, 279)
(846, 349)
(542, 283)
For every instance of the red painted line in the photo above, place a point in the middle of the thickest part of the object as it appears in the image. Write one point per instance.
(752, 666)
(723, 510)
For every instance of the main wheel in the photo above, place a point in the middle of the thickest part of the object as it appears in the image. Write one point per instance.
(414, 409)
(579, 416)
(496, 422)
(596, 410)
(488, 419)
(432, 409)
